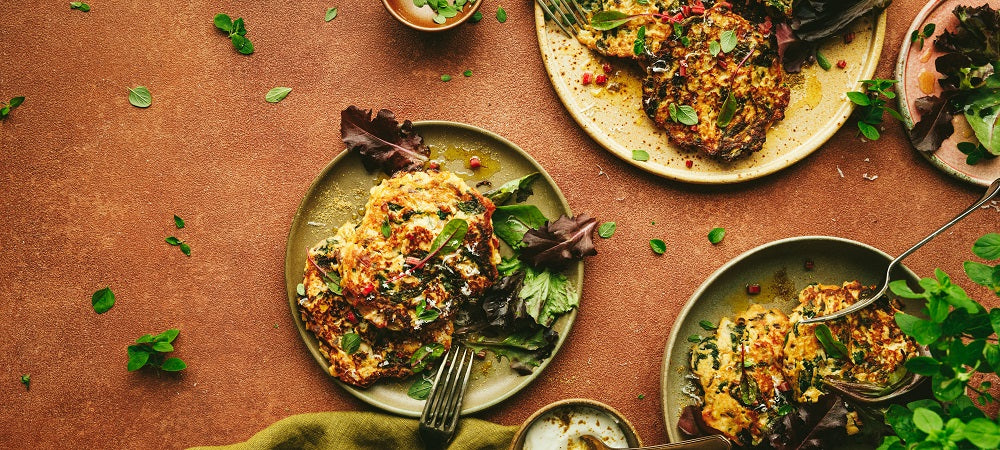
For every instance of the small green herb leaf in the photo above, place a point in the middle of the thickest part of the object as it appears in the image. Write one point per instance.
(727, 112)
(684, 114)
(640, 155)
(716, 235)
(185, 249)
(426, 314)
(163, 347)
(102, 300)
(714, 48)
(476, 17)
(446, 78)
(639, 46)
(331, 13)
(467, 73)
(658, 246)
(140, 97)
(607, 229)
(386, 230)
(927, 421)
(831, 344)
(137, 357)
(707, 325)
(301, 290)
(167, 336)
(277, 94)
(79, 5)
(694, 338)
(223, 22)
(26, 381)
(987, 247)
(173, 365)
(178, 222)
(727, 41)
(501, 14)
(173, 240)
(350, 343)
(451, 237)
(607, 20)
(420, 389)
(859, 98)
(868, 131)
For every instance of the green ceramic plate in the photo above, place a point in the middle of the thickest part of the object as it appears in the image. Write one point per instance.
(339, 194)
(774, 266)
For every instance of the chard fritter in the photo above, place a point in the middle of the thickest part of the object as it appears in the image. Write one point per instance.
(686, 73)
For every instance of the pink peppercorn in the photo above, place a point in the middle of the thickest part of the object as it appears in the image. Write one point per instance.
(587, 77)
(606, 67)
(841, 64)
(601, 80)
(753, 289)
(474, 162)
(689, 163)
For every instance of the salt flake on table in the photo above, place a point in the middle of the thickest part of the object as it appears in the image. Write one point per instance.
(869, 177)
(841, 172)
(601, 172)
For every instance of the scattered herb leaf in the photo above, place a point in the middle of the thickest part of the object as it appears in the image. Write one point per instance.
(301, 290)
(467, 73)
(420, 388)
(14, 103)
(350, 343)
(102, 300)
(727, 41)
(640, 155)
(658, 246)
(236, 31)
(151, 350)
(277, 94)
(607, 20)
(639, 47)
(707, 325)
(386, 229)
(727, 112)
(920, 35)
(872, 105)
(331, 13)
(716, 235)
(83, 7)
(501, 14)
(446, 78)
(607, 229)
(26, 381)
(178, 222)
(140, 97)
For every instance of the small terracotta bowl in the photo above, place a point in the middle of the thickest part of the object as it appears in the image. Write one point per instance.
(631, 435)
(422, 18)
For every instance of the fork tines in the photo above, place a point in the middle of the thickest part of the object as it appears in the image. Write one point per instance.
(567, 14)
(445, 400)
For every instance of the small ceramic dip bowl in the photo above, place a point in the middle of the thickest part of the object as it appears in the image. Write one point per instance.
(558, 426)
(421, 18)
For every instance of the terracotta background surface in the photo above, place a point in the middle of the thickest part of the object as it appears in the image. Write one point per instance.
(89, 184)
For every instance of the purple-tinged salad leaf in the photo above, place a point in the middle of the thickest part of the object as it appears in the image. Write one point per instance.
(557, 244)
(814, 20)
(935, 122)
(525, 348)
(503, 304)
(977, 36)
(382, 142)
(812, 426)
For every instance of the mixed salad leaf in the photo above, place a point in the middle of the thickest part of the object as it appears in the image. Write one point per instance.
(557, 244)
(384, 143)
(815, 20)
(971, 83)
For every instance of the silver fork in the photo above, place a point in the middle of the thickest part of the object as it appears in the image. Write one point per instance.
(567, 14)
(444, 404)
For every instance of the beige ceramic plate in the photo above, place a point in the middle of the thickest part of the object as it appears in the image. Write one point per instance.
(818, 106)
(916, 62)
(724, 294)
(339, 194)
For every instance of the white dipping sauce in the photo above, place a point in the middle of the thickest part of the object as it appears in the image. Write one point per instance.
(561, 428)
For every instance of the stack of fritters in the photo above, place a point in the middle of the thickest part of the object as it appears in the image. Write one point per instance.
(393, 303)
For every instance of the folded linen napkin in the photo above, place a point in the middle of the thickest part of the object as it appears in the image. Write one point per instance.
(365, 430)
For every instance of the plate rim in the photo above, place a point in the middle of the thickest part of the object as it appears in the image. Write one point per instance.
(808, 147)
(675, 329)
(903, 103)
(305, 335)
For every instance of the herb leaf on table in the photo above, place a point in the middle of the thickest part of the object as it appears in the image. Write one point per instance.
(331, 13)
(277, 94)
(384, 143)
(140, 97)
(13, 103)
(872, 105)
(103, 300)
(237, 32)
(150, 350)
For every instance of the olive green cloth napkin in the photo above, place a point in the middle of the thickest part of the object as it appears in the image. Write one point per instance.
(364, 430)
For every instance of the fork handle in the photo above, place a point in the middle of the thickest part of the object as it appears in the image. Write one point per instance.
(713, 442)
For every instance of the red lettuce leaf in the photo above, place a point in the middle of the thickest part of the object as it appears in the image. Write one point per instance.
(935, 122)
(812, 426)
(814, 20)
(794, 52)
(557, 244)
(977, 35)
(382, 142)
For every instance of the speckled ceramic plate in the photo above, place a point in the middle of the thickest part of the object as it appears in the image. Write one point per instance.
(774, 265)
(818, 106)
(917, 62)
(338, 194)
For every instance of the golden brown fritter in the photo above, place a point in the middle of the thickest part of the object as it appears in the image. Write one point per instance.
(403, 216)
(381, 353)
(876, 347)
(619, 42)
(686, 73)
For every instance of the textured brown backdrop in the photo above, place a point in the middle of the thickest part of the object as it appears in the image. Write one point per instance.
(88, 186)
